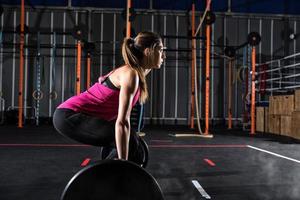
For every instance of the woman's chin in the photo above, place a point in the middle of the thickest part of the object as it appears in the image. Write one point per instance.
(158, 66)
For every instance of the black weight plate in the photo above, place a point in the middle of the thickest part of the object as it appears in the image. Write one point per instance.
(112, 180)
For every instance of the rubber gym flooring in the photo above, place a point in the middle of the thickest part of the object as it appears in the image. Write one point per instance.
(36, 164)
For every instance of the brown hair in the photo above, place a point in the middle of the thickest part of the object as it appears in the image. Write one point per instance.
(132, 52)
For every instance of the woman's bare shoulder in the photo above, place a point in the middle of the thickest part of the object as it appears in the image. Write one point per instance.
(126, 71)
(123, 74)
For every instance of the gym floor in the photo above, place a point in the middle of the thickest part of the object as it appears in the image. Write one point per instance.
(37, 163)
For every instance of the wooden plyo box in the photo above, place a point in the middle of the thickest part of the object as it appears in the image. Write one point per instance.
(267, 119)
(286, 104)
(274, 124)
(260, 119)
(286, 125)
(297, 100)
(274, 105)
(295, 132)
(281, 105)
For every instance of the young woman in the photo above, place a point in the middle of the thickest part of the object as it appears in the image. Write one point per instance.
(100, 116)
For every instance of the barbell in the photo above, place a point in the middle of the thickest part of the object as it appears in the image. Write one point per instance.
(112, 180)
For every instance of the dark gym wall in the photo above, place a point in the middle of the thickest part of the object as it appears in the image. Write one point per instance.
(169, 87)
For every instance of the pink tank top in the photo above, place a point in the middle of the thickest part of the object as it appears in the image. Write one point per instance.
(99, 101)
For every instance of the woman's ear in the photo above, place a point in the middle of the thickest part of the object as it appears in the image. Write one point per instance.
(147, 52)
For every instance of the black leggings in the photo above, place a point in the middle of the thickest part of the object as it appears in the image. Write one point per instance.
(90, 130)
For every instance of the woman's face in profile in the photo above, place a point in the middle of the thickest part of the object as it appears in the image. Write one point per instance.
(158, 56)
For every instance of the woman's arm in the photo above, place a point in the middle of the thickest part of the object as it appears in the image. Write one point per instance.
(129, 85)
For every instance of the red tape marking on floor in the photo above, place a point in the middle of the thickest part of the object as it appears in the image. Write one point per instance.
(152, 146)
(44, 145)
(85, 162)
(211, 163)
(198, 146)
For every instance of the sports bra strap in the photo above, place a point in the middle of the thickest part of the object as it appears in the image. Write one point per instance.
(102, 78)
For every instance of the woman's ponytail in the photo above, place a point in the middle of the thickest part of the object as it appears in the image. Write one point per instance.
(132, 56)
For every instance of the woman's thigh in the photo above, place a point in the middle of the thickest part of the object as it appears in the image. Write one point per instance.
(83, 128)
